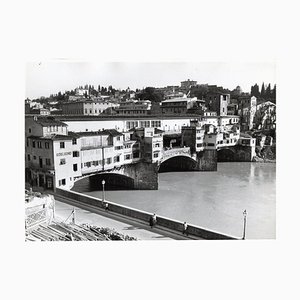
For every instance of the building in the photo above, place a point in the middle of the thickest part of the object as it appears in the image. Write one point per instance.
(223, 123)
(86, 107)
(134, 108)
(40, 111)
(177, 105)
(151, 143)
(187, 84)
(56, 157)
(232, 109)
(193, 137)
(81, 92)
(265, 116)
(217, 102)
(247, 111)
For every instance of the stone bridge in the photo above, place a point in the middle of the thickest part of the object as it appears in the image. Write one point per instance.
(170, 153)
(236, 153)
(143, 175)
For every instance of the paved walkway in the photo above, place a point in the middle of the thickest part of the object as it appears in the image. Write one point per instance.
(101, 218)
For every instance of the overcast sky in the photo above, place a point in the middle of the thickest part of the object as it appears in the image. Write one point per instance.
(45, 78)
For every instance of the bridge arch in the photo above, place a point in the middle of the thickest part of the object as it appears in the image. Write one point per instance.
(225, 154)
(177, 163)
(113, 181)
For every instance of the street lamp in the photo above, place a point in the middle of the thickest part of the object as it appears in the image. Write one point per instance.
(245, 219)
(103, 194)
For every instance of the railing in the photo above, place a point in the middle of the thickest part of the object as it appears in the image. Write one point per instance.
(35, 218)
(176, 152)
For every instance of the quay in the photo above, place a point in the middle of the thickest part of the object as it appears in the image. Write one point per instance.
(165, 226)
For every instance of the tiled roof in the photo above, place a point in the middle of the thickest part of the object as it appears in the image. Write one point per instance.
(49, 121)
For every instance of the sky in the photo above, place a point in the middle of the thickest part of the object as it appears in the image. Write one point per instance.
(50, 77)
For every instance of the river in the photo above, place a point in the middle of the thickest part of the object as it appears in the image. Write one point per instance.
(214, 200)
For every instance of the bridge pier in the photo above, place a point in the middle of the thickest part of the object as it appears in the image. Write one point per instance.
(145, 175)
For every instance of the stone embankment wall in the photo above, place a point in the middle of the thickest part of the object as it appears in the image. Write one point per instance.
(163, 222)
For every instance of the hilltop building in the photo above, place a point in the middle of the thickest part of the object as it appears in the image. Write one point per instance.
(187, 84)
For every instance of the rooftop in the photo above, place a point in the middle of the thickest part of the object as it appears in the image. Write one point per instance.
(177, 100)
(111, 132)
(53, 137)
(48, 121)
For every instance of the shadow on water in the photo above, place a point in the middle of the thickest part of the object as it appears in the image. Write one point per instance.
(112, 182)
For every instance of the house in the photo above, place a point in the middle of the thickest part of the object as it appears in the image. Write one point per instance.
(177, 105)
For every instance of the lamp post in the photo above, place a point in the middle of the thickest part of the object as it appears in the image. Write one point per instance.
(245, 219)
(103, 193)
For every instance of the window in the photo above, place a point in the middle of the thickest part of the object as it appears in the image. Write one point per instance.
(28, 157)
(118, 147)
(62, 161)
(127, 156)
(29, 130)
(74, 142)
(200, 145)
(62, 145)
(62, 182)
(87, 164)
(157, 145)
(47, 145)
(75, 167)
(33, 144)
(136, 154)
(39, 144)
(156, 154)
(34, 157)
(75, 153)
(116, 159)
(48, 161)
(118, 138)
(108, 160)
(210, 144)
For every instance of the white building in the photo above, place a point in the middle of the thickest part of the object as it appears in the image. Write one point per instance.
(86, 107)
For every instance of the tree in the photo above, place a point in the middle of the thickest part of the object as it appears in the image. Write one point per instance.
(273, 94)
(262, 92)
(150, 93)
(255, 90)
(268, 92)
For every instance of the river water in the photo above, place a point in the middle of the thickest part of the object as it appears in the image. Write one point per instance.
(214, 200)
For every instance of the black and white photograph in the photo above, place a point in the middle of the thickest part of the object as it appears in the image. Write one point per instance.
(149, 149)
(137, 151)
